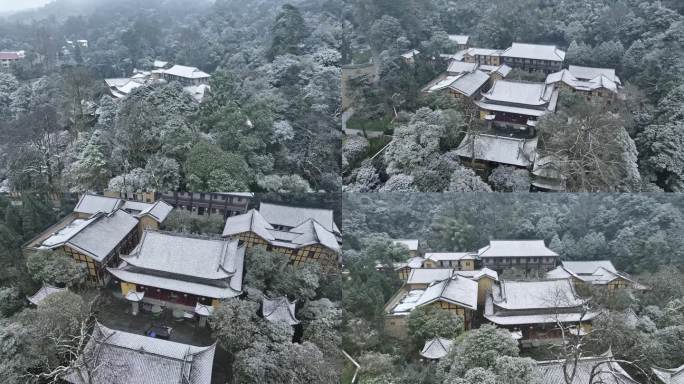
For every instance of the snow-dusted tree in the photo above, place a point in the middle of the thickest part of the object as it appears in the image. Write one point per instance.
(10, 301)
(662, 161)
(510, 179)
(56, 268)
(517, 370)
(399, 183)
(161, 174)
(428, 321)
(91, 171)
(466, 180)
(284, 183)
(355, 148)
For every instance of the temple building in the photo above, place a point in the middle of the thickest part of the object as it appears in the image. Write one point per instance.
(122, 357)
(528, 255)
(302, 234)
(594, 369)
(486, 151)
(7, 58)
(669, 376)
(279, 310)
(188, 76)
(534, 57)
(466, 85)
(480, 56)
(151, 215)
(437, 348)
(590, 83)
(517, 105)
(457, 260)
(97, 241)
(190, 273)
(455, 294)
(594, 273)
(535, 308)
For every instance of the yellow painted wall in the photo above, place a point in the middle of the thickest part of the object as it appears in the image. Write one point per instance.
(215, 303)
(467, 265)
(483, 286)
(127, 287)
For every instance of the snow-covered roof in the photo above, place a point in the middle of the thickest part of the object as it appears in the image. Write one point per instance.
(101, 236)
(436, 348)
(519, 92)
(407, 302)
(414, 262)
(513, 248)
(233, 289)
(117, 82)
(588, 73)
(481, 52)
(459, 39)
(289, 216)
(159, 211)
(544, 294)
(135, 296)
(448, 256)
(598, 82)
(469, 83)
(498, 149)
(160, 64)
(670, 376)
(45, 291)
(178, 254)
(411, 244)
(541, 318)
(428, 275)
(607, 371)
(588, 267)
(457, 67)
(67, 232)
(91, 204)
(308, 232)
(11, 55)
(535, 52)
(186, 72)
(478, 274)
(456, 290)
(410, 54)
(204, 310)
(123, 357)
(279, 309)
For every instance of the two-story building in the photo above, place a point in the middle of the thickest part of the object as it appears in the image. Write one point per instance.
(460, 41)
(455, 260)
(537, 308)
(534, 57)
(593, 84)
(526, 255)
(301, 234)
(599, 273)
(186, 75)
(180, 271)
(7, 58)
(96, 241)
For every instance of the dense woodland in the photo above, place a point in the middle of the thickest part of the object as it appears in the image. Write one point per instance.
(640, 137)
(640, 234)
(271, 122)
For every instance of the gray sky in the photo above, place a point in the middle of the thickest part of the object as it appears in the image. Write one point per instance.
(18, 5)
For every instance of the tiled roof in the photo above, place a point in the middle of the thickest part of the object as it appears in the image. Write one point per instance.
(606, 369)
(544, 294)
(670, 376)
(518, 92)
(498, 149)
(439, 256)
(127, 358)
(512, 248)
(588, 267)
(179, 254)
(428, 275)
(289, 216)
(279, 309)
(588, 73)
(91, 204)
(456, 290)
(186, 72)
(436, 348)
(535, 52)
